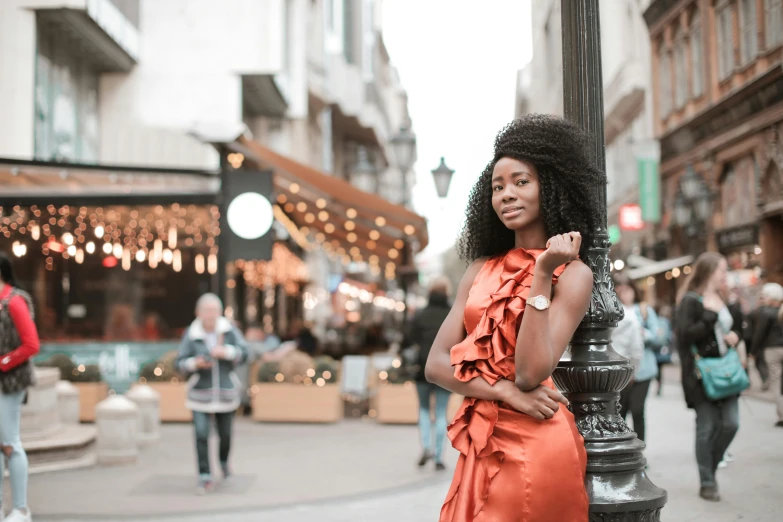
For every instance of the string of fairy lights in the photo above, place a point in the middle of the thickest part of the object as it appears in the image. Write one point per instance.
(152, 234)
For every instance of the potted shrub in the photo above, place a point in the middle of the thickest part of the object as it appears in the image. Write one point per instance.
(161, 376)
(87, 378)
(298, 389)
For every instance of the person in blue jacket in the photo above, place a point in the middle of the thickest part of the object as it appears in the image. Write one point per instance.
(634, 396)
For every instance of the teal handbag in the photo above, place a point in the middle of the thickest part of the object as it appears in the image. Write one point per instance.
(721, 377)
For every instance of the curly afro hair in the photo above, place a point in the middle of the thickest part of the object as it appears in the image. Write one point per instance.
(569, 179)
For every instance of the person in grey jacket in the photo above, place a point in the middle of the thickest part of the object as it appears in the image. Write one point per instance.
(210, 350)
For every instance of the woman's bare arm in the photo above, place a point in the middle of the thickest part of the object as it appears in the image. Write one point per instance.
(544, 334)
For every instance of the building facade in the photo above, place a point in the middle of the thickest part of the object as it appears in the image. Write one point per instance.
(304, 88)
(718, 82)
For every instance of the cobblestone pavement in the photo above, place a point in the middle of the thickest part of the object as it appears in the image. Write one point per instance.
(750, 485)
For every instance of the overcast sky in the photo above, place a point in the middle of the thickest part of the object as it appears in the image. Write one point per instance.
(458, 60)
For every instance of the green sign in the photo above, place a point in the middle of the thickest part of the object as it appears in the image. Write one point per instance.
(614, 234)
(649, 190)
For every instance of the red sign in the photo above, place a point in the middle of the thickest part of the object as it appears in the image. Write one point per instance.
(631, 217)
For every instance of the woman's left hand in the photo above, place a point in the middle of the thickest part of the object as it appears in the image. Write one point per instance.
(731, 338)
(560, 250)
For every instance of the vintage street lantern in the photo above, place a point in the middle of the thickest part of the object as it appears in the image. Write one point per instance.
(442, 177)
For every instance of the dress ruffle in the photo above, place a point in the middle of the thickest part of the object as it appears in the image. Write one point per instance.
(488, 352)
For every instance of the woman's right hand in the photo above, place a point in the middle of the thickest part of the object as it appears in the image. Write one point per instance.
(540, 403)
(202, 363)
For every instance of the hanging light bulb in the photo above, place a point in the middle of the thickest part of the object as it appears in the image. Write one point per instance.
(99, 231)
(158, 249)
(35, 232)
(68, 239)
(126, 259)
(72, 250)
(90, 247)
(153, 261)
(212, 264)
(200, 264)
(172, 238)
(140, 256)
(117, 249)
(107, 248)
(168, 256)
(177, 262)
(79, 256)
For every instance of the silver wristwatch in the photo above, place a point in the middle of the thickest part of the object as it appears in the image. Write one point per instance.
(539, 302)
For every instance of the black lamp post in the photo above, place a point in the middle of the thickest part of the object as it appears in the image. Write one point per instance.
(692, 205)
(404, 145)
(442, 177)
(591, 373)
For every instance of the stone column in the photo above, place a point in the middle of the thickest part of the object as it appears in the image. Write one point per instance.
(148, 402)
(40, 415)
(68, 402)
(591, 373)
(117, 422)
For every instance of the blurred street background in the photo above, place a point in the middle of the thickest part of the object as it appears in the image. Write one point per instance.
(309, 161)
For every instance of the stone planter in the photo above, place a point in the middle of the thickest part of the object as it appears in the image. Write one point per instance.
(148, 402)
(90, 394)
(399, 404)
(297, 403)
(117, 421)
(68, 402)
(40, 416)
(172, 401)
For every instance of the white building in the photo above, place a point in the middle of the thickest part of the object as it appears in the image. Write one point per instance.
(628, 124)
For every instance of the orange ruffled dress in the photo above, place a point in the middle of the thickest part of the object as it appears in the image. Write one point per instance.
(511, 467)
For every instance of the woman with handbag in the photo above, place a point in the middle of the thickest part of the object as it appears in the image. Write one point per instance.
(18, 344)
(712, 375)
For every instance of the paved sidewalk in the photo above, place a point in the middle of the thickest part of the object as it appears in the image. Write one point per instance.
(361, 472)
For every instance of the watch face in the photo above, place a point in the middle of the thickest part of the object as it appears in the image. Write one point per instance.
(540, 302)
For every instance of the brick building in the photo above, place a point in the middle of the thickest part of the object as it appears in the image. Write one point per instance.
(717, 69)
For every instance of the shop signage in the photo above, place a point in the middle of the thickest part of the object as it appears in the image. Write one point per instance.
(631, 217)
(649, 190)
(739, 237)
(614, 234)
(248, 215)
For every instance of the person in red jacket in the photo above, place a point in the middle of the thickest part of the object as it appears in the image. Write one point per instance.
(18, 344)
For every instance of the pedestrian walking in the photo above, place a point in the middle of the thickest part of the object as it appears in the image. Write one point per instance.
(423, 330)
(210, 350)
(706, 330)
(767, 338)
(634, 396)
(530, 218)
(18, 344)
(666, 335)
(628, 337)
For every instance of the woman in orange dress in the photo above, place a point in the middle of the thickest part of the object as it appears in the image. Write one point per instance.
(530, 217)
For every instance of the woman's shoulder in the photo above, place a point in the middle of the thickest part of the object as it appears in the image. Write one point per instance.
(576, 271)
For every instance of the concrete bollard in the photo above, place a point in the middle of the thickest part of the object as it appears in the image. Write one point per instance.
(68, 402)
(40, 416)
(117, 421)
(148, 402)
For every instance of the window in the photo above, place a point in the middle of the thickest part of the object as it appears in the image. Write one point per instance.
(773, 14)
(725, 41)
(749, 39)
(349, 31)
(368, 41)
(665, 81)
(697, 56)
(680, 70)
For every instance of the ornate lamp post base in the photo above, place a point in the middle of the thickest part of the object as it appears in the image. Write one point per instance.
(591, 373)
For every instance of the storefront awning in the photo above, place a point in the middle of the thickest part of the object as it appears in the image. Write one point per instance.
(356, 222)
(659, 267)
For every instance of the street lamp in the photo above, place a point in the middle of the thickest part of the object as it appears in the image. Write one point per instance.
(404, 145)
(364, 175)
(693, 203)
(591, 373)
(442, 177)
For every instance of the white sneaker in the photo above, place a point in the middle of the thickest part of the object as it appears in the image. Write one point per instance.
(18, 516)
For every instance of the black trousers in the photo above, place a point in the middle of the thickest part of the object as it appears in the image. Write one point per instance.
(223, 421)
(632, 400)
